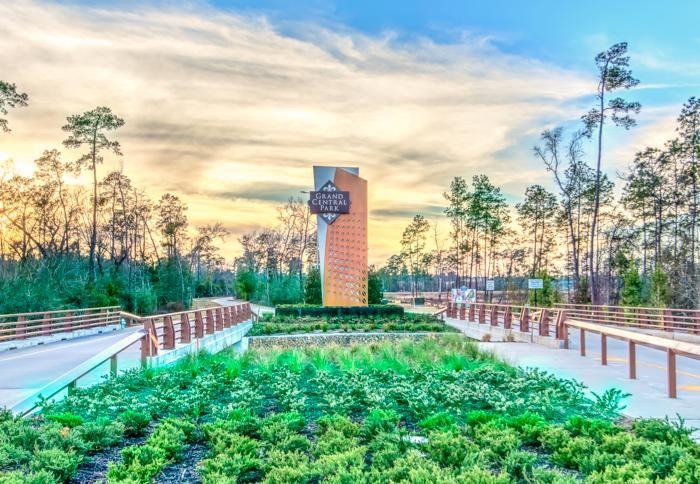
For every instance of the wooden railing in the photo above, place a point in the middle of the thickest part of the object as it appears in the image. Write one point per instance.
(542, 321)
(672, 348)
(645, 318)
(27, 325)
(624, 323)
(164, 332)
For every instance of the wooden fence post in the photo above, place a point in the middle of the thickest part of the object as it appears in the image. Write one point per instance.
(471, 312)
(21, 327)
(210, 321)
(508, 318)
(582, 341)
(219, 319)
(671, 363)
(46, 324)
(462, 310)
(632, 360)
(525, 320)
(168, 333)
(68, 323)
(248, 314)
(149, 342)
(113, 366)
(494, 315)
(198, 325)
(185, 329)
(482, 313)
(544, 322)
(227, 316)
(603, 349)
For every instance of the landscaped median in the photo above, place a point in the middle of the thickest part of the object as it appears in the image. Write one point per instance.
(402, 323)
(432, 410)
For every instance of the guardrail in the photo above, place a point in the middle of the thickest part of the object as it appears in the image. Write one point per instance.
(27, 325)
(646, 318)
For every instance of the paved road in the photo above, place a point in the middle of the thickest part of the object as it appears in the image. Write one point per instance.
(26, 370)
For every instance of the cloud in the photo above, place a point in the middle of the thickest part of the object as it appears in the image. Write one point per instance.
(232, 113)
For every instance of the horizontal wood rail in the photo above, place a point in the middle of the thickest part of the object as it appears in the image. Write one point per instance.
(166, 331)
(644, 318)
(672, 348)
(543, 321)
(69, 379)
(45, 323)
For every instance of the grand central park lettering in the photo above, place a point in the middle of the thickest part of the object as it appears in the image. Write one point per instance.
(329, 201)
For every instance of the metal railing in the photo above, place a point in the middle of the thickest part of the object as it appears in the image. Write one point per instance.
(165, 331)
(160, 332)
(543, 321)
(26, 325)
(645, 318)
(632, 325)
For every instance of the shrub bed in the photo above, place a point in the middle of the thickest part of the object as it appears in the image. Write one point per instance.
(282, 324)
(437, 410)
(300, 310)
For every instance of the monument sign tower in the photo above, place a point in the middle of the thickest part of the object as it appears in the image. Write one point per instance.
(340, 203)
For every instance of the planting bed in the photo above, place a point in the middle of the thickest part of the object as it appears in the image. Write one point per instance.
(408, 322)
(434, 410)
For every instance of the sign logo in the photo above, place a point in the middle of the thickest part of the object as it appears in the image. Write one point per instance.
(329, 202)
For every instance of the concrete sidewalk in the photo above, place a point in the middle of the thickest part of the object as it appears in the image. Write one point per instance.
(648, 393)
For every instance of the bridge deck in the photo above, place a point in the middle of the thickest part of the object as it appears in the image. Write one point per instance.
(25, 370)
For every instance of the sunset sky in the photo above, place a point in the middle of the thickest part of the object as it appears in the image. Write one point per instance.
(229, 104)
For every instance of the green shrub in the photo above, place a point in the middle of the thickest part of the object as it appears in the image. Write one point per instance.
(663, 431)
(135, 422)
(519, 464)
(101, 434)
(450, 449)
(687, 470)
(66, 419)
(60, 463)
(300, 310)
(378, 421)
(439, 421)
(591, 427)
(631, 473)
(140, 463)
(529, 426)
(21, 477)
(499, 441)
(231, 467)
(573, 452)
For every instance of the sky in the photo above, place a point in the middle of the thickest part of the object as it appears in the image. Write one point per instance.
(229, 104)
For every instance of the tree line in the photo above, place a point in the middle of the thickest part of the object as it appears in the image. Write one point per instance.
(62, 245)
(636, 246)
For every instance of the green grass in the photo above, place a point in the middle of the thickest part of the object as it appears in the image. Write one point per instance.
(436, 410)
(423, 323)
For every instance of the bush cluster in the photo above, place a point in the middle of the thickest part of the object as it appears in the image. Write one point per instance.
(277, 324)
(300, 310)
(436, 410)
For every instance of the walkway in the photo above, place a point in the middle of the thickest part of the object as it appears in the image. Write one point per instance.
(648, 392)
